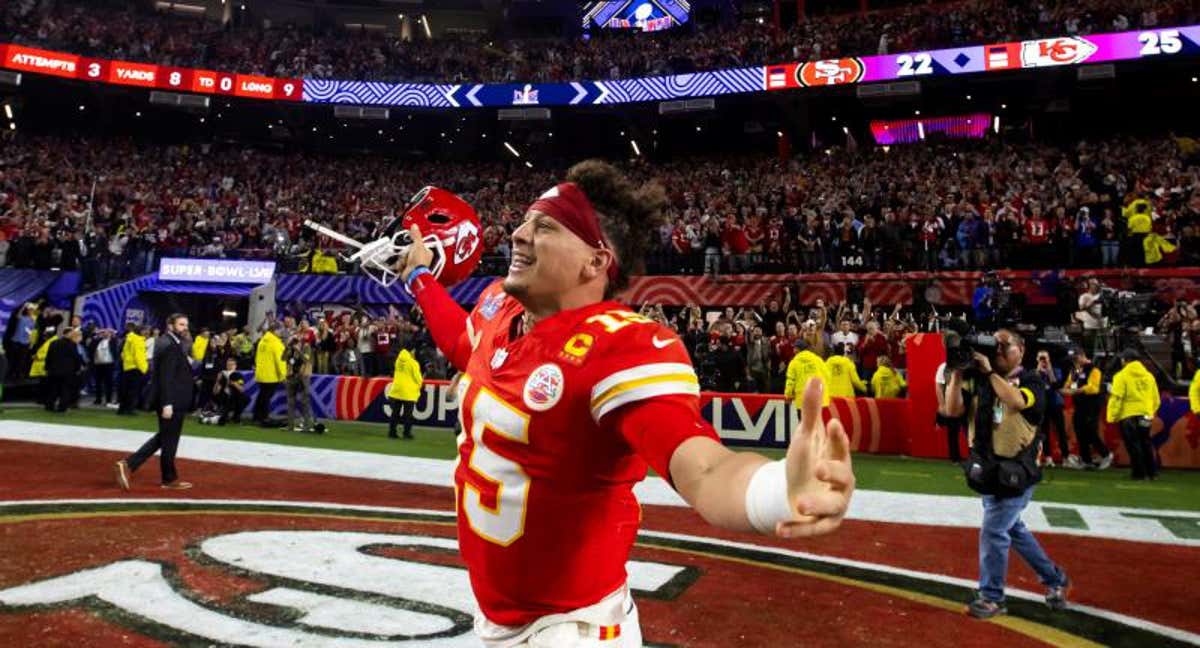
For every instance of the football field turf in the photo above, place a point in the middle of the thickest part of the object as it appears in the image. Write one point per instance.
(1176, 489)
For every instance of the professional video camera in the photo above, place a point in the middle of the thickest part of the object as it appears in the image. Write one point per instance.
(961, 345)
(1124, 308)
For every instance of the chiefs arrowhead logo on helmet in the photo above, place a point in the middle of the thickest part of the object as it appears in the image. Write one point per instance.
(451, 230)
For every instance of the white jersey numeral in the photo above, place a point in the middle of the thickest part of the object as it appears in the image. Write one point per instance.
(505, 522)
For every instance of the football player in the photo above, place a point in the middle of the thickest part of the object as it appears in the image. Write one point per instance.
(567, 396)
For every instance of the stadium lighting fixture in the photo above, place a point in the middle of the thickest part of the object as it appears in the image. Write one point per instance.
(779, 133)
(996, 124)
(485, 136)
(921, 130)
(314, 129)
(228, 313)
(201, 120)
(401, 16)
(137, 114)
(636, 151)
(1003, 106)
(381, 131)
(511, 149)
(622, 133)
(12, 126)
(80, 107)
(697, 129)
(529, 164)
(8, 111)
(1194, 79)
(887, 149)
(845, 130)
(917, 112)
(425, 24)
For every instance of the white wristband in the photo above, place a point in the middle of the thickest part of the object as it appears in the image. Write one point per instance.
(767, 501)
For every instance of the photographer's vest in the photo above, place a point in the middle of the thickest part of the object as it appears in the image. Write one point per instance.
(1008, 429)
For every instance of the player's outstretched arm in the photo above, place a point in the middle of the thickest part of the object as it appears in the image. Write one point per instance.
(805, 494)
(446, 319)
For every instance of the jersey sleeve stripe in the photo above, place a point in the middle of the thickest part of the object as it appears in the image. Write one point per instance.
(639, 372)
(650, 390)
(634, 384)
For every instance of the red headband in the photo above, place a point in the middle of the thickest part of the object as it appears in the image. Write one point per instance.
(568, 205)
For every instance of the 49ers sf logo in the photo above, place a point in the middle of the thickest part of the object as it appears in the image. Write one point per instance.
(831, 72)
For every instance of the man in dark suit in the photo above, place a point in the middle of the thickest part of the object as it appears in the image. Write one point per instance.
(63, 366)
(171, 396)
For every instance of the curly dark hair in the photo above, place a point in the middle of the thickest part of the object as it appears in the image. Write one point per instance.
(629, 215)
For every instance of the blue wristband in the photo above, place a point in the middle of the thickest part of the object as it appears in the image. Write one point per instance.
(416, 272)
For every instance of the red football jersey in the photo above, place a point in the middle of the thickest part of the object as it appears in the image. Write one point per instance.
(544, 478)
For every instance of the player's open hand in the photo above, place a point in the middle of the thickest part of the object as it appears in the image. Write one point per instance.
(819, 475)
(418, 254)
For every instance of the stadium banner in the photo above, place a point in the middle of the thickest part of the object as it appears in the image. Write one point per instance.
(755, 420)
(1146, 44)
(874, 425)
(216, 270)
(1038, 287)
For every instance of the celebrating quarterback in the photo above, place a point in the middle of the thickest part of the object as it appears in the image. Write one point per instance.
(567, 397)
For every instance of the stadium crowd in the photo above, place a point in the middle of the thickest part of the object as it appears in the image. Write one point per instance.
(291, 51)
(113, 210)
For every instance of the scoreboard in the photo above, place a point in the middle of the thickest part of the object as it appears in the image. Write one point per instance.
(143, 75)
(1149, 44)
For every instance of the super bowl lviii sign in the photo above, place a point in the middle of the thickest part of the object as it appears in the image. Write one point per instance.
(216, 270)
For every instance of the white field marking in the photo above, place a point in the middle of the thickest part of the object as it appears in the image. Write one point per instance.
(1175, 633)
(873, 506)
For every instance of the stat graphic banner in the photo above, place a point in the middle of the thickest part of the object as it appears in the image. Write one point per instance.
(972, 59)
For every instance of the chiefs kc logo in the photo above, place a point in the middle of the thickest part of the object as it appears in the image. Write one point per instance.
(830, 72)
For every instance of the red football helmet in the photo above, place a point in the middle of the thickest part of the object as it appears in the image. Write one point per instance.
(450, 227)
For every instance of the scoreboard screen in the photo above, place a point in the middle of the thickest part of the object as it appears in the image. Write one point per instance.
(640, 15)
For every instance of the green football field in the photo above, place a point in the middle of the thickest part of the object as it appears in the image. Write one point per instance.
(1175, 489)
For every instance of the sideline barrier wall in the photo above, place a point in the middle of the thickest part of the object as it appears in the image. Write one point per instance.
(880, 426)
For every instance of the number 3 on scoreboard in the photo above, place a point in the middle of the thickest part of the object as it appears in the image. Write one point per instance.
(504, 523)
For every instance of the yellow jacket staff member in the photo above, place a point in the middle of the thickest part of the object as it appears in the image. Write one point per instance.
(1133, 402)
(805, 365)
(200, 346)
(38, 368)
(404, 392)
(1194, 393)
(133, 353)
(406, 378)
(887, 382)
(843, 377)
(269, 371)
(269, 366)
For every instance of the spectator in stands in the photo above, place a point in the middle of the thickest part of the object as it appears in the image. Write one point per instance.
(22, 340)
(758, 361)
(872, 345)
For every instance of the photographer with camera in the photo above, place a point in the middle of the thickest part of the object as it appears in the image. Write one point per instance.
(1003, 411)
(299, 359)
(1132, 403)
